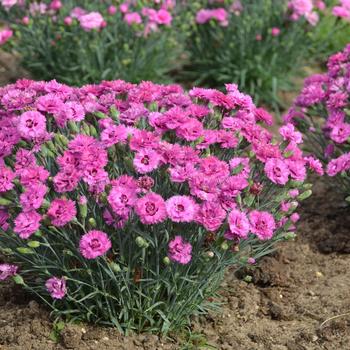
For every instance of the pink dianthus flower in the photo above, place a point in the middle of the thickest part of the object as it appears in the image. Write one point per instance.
(181, 208)
(94, 244)
(262, 224)
(180, 251)
(151, 209)
(56, 287)
(61, 211)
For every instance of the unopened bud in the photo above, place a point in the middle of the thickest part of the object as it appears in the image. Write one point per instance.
(92, 222)
(305, 195)
(33, 244)
(115, 267)
(73, 126)
(166, 261)
(210, 255)
(141, 242)
(224, 245)
(289, 236)
(248, 279)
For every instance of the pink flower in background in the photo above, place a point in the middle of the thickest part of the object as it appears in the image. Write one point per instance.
(151, 209)
(32, 125)
(7, 270)
(320, 5)
(181, 208)
(5, 35)
(77, 12)
(275, 31)
(55, 5)
(90, 21)
(61, 211)
(163, 17)
(112, 10)
(56, 287)
(27, 223)
(68, 21)
(94, 244)
(262, 224)
(124, 7)
(301, 7)
(180, 251)
(219, 14)
(8, 3)
(132, 18)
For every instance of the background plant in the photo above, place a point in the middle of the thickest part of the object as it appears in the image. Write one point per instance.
(332, 32)
(321, 112)
(124, 204)
(121, 40)
(260, 45)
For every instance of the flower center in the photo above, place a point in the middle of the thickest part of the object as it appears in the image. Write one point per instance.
(95, 244)
(151, 209)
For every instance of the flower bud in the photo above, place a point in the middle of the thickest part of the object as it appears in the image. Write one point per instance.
(289, 236)
(5, 202)
(92, 222)
(224, 245)
(18, 279)
(115, 267)
(210, 254)
(73, 127)
(141, 242)
(82, 207)
(33, 244)
(305, 195)
(93, 131)
(24, 250)
(248, 279)
(166, 261)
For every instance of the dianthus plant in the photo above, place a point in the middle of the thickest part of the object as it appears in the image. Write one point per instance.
(85, 41)
(321, 112)
(260, 45)
(124, 204)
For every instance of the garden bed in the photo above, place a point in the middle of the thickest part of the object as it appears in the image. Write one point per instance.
(292, 294)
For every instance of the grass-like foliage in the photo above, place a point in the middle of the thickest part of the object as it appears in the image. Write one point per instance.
(260, 45)
(79, 42)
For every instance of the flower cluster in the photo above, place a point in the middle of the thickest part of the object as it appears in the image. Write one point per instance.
(297, 9)
(321, 112)
(117, 187)
(342, 10)
(92, 40)
(249, 43)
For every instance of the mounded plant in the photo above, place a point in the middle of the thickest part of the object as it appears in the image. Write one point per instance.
(83, 41)
(322, 113)
(260, 45)
(124, 204)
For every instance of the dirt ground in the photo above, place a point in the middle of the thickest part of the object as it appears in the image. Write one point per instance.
(299, 298)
